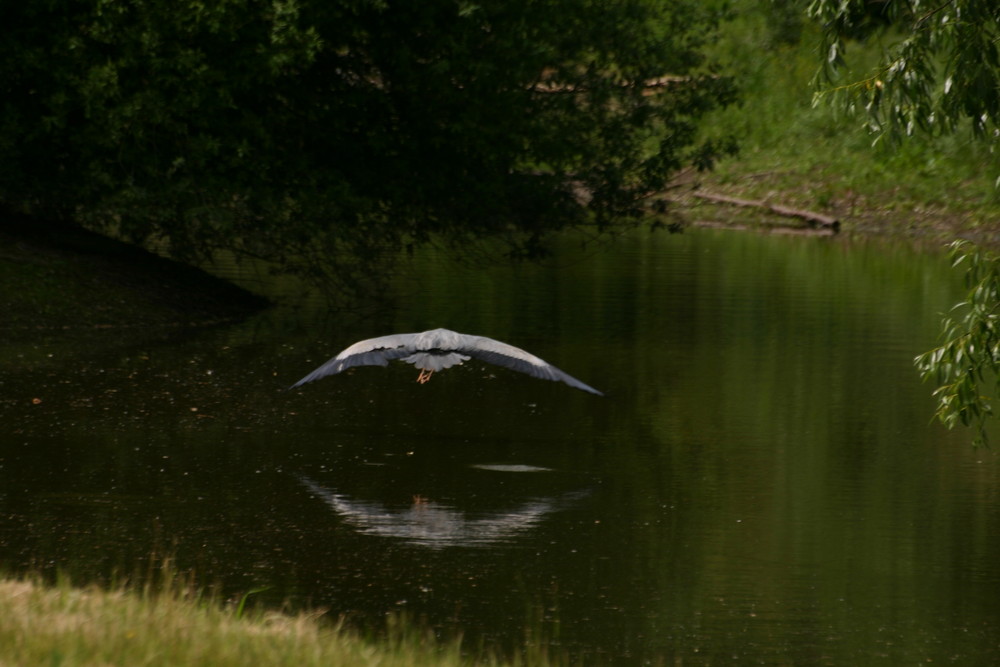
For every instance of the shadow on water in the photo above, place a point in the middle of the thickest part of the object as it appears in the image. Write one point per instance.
(761, 483)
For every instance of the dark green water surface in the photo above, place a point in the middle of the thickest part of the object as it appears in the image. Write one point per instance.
(761, 484)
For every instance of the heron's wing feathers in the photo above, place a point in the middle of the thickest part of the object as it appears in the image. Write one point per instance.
(371, 352)
(502, 354)
(438, 349)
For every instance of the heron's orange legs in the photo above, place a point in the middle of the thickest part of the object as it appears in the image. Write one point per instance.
(424, 376)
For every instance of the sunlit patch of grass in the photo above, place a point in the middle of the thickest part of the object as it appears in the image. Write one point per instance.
(818, 157)
(173, 625)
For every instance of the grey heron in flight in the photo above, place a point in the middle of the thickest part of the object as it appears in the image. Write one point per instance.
(438, 349)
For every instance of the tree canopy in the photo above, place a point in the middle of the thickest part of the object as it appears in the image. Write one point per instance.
(328, 135)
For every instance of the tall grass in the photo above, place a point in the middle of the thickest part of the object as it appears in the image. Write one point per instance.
(173, 625)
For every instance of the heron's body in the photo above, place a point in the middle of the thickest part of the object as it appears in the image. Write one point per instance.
(438, 349)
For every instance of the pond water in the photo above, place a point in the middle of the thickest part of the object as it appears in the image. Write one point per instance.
(761, 483)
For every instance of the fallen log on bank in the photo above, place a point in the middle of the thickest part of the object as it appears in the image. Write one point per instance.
(813, 219)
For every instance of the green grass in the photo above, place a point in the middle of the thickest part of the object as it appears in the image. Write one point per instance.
(66, 625)
(818, 157)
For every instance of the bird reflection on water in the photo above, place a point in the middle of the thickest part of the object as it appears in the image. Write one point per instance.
(437, 525)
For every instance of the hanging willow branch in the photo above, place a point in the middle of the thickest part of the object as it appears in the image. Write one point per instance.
(967, 364)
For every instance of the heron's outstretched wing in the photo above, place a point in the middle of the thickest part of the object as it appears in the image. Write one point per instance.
(371, 352)
(502, 354)
(438, 349)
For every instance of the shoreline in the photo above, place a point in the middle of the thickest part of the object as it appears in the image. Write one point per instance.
(57, 277)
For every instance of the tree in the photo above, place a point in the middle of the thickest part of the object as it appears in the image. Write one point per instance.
(942, 70)
(327, 136)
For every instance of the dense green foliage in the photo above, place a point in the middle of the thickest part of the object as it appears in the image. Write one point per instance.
(328, 135)
(940, 69)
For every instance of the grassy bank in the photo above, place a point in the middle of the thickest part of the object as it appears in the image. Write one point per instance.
(64, 625)
(817, 157)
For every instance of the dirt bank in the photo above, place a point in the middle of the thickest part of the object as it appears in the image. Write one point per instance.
(56, 277)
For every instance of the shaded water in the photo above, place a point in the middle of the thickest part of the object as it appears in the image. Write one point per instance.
(760, 485)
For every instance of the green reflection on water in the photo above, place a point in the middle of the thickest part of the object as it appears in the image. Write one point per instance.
(762, 481)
